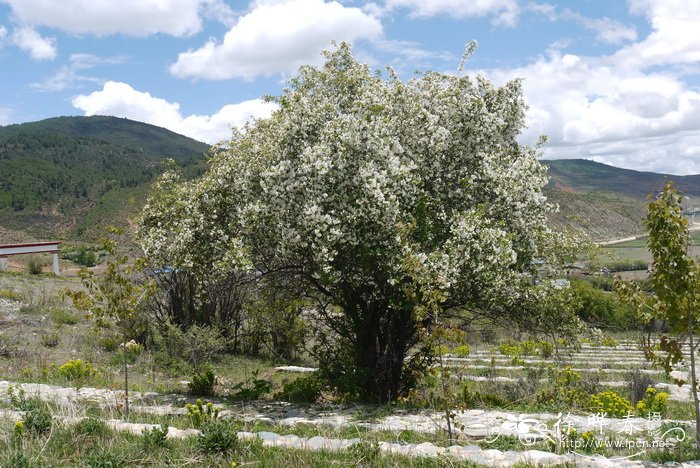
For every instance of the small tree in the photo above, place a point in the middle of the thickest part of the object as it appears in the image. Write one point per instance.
(675, 281)
(114, 296)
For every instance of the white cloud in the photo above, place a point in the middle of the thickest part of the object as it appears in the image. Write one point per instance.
(276, 36)
(633, 108)
(594, 108)
(121, 100)
(39, 48)
(504, 12)
(68, 76)
(106, 17)
(674, 38)
(3, 34)
(607, 30)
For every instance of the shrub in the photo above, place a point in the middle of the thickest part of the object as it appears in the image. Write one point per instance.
(34, 265)
(51, 339)
(37, 418)
(461, 351)
(251, 389)
(92, 427)
(217, 436)
(638, 385)
(509, 348)
(63, 317)
(610, 403)
(130, 350)
(568, 390)
(81, 255)
(545, 348)
(201, 413)
(75, 370)
(653, 402)
(609, 342)
(108, 343)
(198, 345)
(516, 349)
(153, 438)
(301, 390)
(202, 383)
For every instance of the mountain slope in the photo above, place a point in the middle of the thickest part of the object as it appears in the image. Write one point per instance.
(605, 201)
(66, 176)
(583, 176)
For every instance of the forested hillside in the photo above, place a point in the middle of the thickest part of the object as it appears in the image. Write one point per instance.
(67, 175)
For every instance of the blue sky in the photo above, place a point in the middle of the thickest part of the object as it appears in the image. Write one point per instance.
(614, 81)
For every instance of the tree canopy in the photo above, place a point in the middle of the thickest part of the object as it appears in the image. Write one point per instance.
(382, 201)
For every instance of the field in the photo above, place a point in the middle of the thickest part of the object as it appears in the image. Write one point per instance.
(513, 402)
(636, 250)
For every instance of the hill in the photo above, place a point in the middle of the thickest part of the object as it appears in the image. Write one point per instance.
(608, 202)
(66, 176)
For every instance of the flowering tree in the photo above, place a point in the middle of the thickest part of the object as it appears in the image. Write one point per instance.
(383, 201)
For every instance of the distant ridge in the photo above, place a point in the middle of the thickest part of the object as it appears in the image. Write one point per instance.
(605, 201)
(68, 176)
(583, 176)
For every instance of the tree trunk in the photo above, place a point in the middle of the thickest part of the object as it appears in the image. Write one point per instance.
(694, 384)
(382, 338)
(126, 381)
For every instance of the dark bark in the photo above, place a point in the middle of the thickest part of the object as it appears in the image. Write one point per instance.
(382, 339)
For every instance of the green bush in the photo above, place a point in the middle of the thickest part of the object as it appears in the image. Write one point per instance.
(154, 438)
(602, 309)
(81, 255)
(252, 388)
(610, 403)
(108, 343)
(218, 436)
(301, 390)
(198, 345)
(76, 370)
(568, 391)
(37, 418)
(461, 351)
(202, 383)
(63, 317)
(92, 427)
(131, 350)
(653, 402)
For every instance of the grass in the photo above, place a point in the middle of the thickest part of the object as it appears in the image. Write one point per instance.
(96, 446)
(10, 295)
